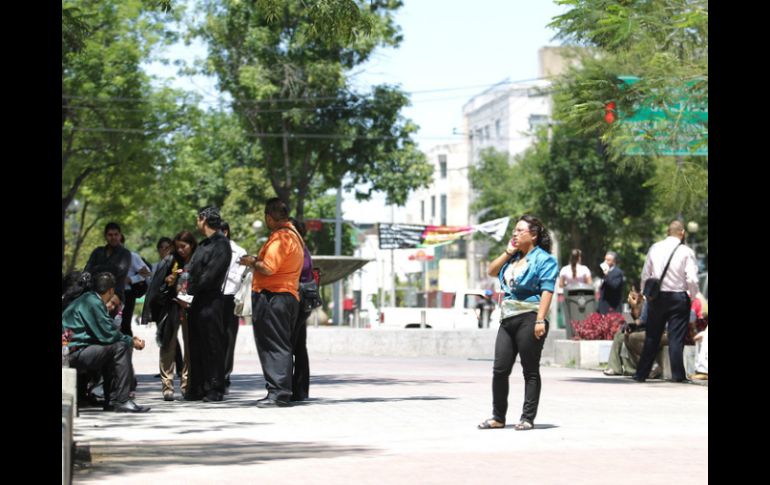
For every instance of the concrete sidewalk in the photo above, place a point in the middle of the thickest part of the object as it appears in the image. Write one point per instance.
(403, 420)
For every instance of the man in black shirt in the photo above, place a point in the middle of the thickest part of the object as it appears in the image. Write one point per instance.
(611, 294)
(208, 270)
(112, 257)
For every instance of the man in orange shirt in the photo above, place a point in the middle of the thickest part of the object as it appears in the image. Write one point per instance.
(275, 301)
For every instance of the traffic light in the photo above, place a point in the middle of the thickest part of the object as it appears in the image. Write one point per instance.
(609, 112)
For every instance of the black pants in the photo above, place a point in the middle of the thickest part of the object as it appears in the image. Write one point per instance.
(207, 360)
(114, 362)
(274, 317)
(674, 308)
(300, 380)
(516, 335)
(230, 321)
(128, 313)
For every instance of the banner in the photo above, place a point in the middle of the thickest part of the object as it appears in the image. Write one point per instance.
(405, 236)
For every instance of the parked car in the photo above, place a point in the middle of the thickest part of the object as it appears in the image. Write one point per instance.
(463, 314)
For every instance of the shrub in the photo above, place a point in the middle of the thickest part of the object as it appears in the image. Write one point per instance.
(597, 326)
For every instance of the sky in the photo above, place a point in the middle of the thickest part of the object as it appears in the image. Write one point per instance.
(451, 51)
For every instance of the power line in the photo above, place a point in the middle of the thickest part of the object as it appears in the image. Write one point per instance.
(314, 98)
(292, 136)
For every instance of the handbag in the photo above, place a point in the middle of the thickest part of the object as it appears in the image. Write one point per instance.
(652, 285)
(309, 296)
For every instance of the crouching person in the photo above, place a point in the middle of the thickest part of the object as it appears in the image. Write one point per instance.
(97, 345)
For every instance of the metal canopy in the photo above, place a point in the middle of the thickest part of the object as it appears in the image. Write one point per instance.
(334, 268)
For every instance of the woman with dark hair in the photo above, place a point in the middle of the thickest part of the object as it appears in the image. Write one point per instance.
(170, 311)
(300, 377)
(527, 273)
(574, 272)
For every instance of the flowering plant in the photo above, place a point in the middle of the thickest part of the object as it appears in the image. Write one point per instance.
(597, 326)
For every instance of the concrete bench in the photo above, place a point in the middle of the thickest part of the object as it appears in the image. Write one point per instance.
(690, 356)
(69, 392)
(67, 420)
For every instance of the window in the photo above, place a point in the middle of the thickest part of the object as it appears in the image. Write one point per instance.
(422, 211)
(497, 128)
(480, 136)
(432, 206)
(443, 210)
(486, 132)
(442, 165)
(537, 121)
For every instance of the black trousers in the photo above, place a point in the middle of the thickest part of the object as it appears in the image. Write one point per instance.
(128, 313)
(114, 362)
(230, 321)
(207, 360)
(516, 335)
(674, 308)
(274, 316)
(300, 380)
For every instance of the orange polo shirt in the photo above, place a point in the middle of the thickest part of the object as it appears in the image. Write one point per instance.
(283, 254)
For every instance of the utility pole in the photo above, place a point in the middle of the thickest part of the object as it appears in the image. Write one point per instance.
(392, 267)
(337, 289)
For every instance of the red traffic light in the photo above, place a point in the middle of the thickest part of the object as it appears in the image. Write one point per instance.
(609, 112)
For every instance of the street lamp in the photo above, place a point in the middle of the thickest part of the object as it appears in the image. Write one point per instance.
(692, 228)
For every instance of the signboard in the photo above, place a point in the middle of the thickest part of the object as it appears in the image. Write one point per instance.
(402, 236)
(399, 236)
(677, 129)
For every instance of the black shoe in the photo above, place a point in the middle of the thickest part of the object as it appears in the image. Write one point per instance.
(130, 407)
(193, 397)
(272, 403)
(298, 398)
(157, 376)
(637, 378)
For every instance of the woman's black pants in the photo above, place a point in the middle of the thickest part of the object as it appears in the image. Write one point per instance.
(516, 335)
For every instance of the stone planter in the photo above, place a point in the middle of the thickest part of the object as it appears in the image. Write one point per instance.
(582, 354)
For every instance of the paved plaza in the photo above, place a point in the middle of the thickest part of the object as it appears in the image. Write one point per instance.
(373, 420)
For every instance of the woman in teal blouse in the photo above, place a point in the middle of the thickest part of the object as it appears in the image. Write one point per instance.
(527, 273)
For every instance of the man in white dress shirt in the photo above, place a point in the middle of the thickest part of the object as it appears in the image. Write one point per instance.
(672, 305)
(229, 319)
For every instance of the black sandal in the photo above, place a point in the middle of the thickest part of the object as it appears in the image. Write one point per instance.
(487, 424)
(523, 425)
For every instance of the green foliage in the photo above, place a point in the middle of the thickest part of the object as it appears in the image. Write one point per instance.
(292, 96)
(665, 44)
(109, 113)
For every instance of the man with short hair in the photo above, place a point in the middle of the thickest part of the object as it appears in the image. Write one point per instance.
(672, 304)
(229, 318)
(611, 291)
(208, 270)
(275, 301)
(97, 345)
(112, 257)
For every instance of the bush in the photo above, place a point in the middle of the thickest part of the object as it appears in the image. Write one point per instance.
(597, 326)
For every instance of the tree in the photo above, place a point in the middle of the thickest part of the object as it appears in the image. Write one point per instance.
(575, 189)
(108, 113)
(291, 93)
(664, 43)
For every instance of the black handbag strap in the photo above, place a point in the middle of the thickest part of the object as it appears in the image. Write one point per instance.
(669, 262)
